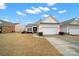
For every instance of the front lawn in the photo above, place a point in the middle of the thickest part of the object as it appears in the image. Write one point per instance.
(24, 45)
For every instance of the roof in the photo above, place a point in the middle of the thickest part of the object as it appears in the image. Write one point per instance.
(73, 21)
(16, 23)
(30, 25)
(38, 22)
(6, 23)
(48, 20)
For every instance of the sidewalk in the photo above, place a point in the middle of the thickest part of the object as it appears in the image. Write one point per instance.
(66, 48)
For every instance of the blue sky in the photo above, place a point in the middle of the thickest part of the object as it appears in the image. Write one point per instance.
(25, 13)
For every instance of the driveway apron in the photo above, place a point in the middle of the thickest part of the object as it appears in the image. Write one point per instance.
(64, 47)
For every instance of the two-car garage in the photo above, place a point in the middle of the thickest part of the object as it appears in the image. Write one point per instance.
(74, 30)
(71, 26)
(49, 30)
(48, 26)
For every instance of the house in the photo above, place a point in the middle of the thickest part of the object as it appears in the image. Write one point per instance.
(48, 26)
(70, 26)
(19, 27)
(6, 26)
(31, 28)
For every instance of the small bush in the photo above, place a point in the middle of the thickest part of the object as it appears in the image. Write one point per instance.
(13, 31)
(40, 33)
(23, 32)
(61, 33)
(29, 32)
(0, 31)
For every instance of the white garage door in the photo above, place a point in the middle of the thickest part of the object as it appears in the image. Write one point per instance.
(74, 30)
(49, 30)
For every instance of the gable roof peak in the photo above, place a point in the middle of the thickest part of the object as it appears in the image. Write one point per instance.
(49, 19)
(50, 16)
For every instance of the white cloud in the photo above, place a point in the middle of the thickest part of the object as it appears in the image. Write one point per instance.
(45, 15)
(51, 4)
(44, 8)
(54, 16)
(20, 13)
(34, 10)
(31, 11)
(2, 6)
(62, 11)
(5, 19)
(54, 8)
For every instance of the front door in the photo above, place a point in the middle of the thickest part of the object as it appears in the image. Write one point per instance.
(0, 29)
(34, 29)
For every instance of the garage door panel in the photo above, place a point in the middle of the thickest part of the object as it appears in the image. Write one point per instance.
(74, 30)
(49, 31)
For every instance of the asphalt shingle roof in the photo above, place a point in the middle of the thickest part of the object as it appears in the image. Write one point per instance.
(41, 20)
(67, 22)
(30, 25)
(6, 23)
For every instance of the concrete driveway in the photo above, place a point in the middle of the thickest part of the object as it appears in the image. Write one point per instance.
(66, 47)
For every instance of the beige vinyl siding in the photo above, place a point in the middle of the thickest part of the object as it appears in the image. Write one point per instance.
(19, 28)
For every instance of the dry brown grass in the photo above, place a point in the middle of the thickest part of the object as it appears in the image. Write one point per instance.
(25, 44)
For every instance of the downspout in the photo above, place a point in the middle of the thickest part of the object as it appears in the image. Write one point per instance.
(68, 29)
(58, 28)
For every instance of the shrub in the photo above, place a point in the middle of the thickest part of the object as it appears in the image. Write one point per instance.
(40, 33)
(23, 32)
(61, 33)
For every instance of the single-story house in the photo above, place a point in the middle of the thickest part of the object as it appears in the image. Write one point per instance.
(31, 28)
(6, 26)
(70, 26)
(19, 27)
(48, 26)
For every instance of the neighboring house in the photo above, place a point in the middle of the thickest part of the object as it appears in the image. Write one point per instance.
(70, 26)
(6, 26)
(19, 27)
(31, 28)
(48, 26)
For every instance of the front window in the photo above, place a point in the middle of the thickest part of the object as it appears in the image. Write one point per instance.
(29, 29)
